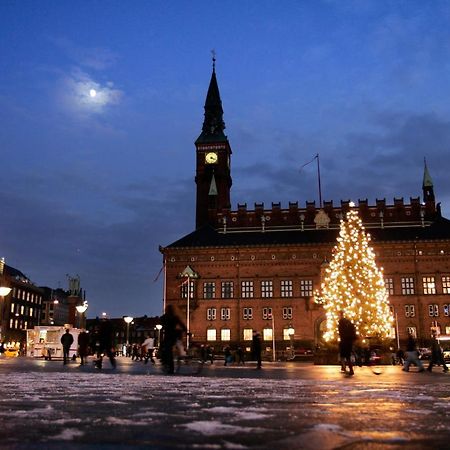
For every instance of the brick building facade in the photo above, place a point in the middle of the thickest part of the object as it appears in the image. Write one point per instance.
(256, 269)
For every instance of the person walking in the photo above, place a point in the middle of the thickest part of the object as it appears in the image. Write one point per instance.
(257, 348)
(437, 356)
(148, 347)
(412, 355)
(83, 346)
(66, 341)
(240, 356)
(105, 341)
(171, 332)
(347, 335)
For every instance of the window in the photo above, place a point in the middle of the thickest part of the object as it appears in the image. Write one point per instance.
(447, 330)
(446, 309)
(410, 311)
(247, 289)
(429, 285)
(389, 284)
(306, 288)
(267, 334)
(287, 333)
(412, 331)
(286, 288)
(446, 285)
(407, 286)
(209, 290)
(225, 334)
(287, 313)
(267, 313)
(12, 307)
(433, 310)
(211, 314)
(227, 289)
(225, 314)
(248, 334)
(248, 313)
(184, 289)
(266, 289)
(211, 334)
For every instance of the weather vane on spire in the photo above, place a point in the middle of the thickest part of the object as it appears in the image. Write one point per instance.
(213, 53)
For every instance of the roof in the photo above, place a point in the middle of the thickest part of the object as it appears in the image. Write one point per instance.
(207, 236)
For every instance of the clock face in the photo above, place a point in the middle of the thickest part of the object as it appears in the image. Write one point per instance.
(211, 158)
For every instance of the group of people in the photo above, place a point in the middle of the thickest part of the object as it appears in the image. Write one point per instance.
(348, 336)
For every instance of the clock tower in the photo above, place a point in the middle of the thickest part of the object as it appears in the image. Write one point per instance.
(213, 174)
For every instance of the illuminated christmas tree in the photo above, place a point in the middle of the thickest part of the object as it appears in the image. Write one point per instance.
(354, 284)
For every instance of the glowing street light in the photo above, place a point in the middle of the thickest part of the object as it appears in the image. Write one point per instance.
(4, 291)
(128, 320)
(81, 309)
(158, 327)
(188, 273)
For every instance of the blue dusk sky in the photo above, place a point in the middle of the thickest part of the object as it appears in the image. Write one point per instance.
(91, 185)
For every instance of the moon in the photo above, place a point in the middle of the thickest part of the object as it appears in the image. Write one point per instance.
(92, 93)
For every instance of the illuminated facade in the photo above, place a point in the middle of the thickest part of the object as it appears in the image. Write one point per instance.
(257, 269)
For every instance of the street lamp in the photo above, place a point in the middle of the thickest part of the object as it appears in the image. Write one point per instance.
(158, 327)
(128, 320)
(188, 273)
(81, 309)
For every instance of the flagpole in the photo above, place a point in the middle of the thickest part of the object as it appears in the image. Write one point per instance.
(318, 178)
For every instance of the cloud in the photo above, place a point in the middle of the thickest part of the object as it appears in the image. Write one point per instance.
(83, 94)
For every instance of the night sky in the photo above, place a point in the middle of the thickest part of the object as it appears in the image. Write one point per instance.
(101, 102)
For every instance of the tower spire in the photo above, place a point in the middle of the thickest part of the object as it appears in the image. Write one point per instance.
(428, 191)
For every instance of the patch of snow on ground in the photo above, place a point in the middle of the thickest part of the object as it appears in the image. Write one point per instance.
(67, 435)
(214, 428)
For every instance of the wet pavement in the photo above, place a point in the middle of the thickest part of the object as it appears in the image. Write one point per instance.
(46, 405)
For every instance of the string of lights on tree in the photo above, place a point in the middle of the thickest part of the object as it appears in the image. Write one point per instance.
(354, 284)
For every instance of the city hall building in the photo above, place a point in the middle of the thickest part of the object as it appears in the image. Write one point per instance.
(256, 268)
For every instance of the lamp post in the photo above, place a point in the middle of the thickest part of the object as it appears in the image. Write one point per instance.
(188, 273)
(81, 309)
(158, 327)
(4, 291)
(128, 320)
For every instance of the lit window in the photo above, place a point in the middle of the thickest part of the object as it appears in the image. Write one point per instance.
(287, 333)
(446, 285)
(225, 314)
(287, 313)
(433, 310)
(267, 334)
(225, 334)
(286, 288)
(389, 284)
(407, 286)
(446, 309)
(267, 313)
(447, 330)
(247, 289)
(247, 313)
(209, 290)
(211, 335)
(412, 331)
(306, 288)
(211, 314)
(429, 285)
(410, 311)
(12, 307)
(184, 289)
(248, 334)
(266, 289)
(227, 289)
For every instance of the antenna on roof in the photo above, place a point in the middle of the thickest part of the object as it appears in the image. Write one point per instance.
(213, 53)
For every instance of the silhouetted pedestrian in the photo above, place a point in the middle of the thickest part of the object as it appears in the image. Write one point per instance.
(148, 347)
(347, 334)
(171, 332)
(105, 343)
(83, 346)
(437, 356)
(240, 356)
(66, 341)
(412, 355)
(257, 348)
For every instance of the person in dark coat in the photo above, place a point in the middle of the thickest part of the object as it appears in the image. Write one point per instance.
(83, 346)
(172, 331)
(347, 335)
(105, 343)
(257, 348)
(412, 355)
(437, 356)
(66, 341)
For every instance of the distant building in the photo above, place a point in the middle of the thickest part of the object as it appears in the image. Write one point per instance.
(256, 269)
(55, 307)
(21, 308)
